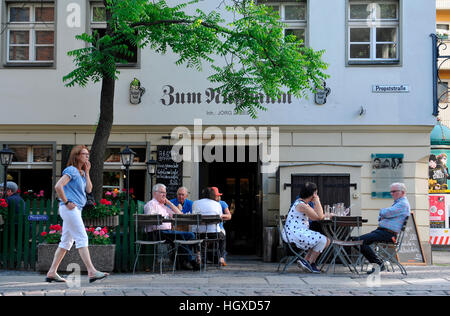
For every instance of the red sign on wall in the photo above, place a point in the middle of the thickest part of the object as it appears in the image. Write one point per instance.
(437, 208)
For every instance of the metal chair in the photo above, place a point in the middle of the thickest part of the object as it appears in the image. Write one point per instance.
(142, 222)
(214, 237)
(388, 251)
(185, 219)
(291, 252)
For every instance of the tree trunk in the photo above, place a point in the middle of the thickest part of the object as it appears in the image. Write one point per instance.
(104, 125)
(102, 133)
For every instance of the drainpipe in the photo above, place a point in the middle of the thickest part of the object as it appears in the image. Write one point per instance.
(435, 57)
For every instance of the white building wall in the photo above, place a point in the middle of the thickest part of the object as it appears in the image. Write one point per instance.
(35, 101)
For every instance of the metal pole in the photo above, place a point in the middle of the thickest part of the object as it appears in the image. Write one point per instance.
(4, 182)
(128, 185)
(151, 186)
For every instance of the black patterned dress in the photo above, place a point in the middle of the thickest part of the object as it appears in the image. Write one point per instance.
(296, 230)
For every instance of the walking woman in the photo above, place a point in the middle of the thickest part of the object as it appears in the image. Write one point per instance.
(71, 190)
(296, 229)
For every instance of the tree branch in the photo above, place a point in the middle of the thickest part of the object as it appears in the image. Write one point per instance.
(168, 22)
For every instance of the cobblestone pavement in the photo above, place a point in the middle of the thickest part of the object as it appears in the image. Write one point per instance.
(239, 278)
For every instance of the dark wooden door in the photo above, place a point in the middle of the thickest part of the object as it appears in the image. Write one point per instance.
(332, 188)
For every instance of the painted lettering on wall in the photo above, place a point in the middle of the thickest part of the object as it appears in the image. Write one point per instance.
(170, 96)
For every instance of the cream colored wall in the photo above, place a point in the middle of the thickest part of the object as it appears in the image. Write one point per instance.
(352, 149)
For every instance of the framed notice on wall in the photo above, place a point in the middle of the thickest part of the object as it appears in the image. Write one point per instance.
(438, 175)
(385, 169)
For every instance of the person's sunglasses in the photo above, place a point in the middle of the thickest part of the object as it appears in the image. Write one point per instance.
(393, 191)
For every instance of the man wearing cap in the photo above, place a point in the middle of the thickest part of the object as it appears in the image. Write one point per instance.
(226, 216)
(208, 205)
(12, 197)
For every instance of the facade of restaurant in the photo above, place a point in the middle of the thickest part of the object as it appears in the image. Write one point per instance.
(379, 106)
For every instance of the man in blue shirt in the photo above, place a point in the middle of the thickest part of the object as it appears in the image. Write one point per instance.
(182, 201)
(390, 222)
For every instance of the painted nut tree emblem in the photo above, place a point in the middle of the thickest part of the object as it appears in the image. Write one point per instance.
(136, 91)
(321, 94)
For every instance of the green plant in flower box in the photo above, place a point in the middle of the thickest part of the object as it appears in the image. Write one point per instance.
(98, 236)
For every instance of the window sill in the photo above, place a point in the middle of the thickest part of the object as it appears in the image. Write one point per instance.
(130, 65)
(29, 65)
(373, 63)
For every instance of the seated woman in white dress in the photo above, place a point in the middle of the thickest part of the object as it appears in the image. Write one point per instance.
(296, 230)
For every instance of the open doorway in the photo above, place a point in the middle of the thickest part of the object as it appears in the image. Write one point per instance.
(240, 184)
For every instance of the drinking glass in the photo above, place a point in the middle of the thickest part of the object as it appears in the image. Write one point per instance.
(327, 212)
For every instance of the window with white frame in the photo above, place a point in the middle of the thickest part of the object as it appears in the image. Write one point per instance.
(293, 14)
(98, 23)
(373, 31)
(30, 32)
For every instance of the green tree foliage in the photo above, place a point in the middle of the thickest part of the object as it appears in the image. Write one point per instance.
(249, 55)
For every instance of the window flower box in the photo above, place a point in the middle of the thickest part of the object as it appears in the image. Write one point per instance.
(102, 214)
(109, 221)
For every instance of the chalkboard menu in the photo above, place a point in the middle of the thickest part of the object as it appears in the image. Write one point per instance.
(411, 250)
(169, 172)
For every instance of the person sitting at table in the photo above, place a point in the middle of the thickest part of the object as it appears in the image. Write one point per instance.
(208, 205)
(226, 216)
(390, 223)
(296, 230)
(182, 201)
(162, 206)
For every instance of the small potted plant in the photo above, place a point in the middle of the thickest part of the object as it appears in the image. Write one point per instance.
(31, 195)
(116, 195)
(103, 213)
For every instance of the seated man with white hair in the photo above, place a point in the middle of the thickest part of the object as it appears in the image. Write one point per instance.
(162, 206)
(390, 223)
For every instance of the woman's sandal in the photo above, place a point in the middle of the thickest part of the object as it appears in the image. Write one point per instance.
(56, 279)
(98, 276)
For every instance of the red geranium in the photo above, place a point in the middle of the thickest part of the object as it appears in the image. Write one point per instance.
(3, 207)
(56, 227)
(105, 202)
(53, 236)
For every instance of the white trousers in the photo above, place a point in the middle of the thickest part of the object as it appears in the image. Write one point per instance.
(73, 229)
